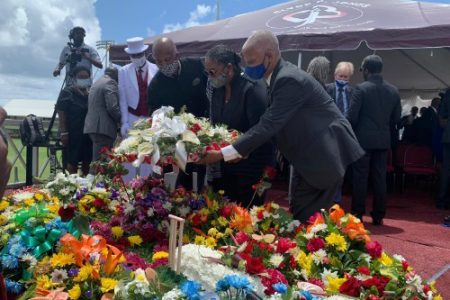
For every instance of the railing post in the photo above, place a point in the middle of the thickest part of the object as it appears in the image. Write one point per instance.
(29, 166)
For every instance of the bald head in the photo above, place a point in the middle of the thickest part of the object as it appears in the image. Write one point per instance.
(262, 41)
(261, 48)
(164, 51)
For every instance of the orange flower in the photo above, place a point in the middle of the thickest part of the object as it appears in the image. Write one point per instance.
(336, 213)
(241, 220)
(314, 220)
(355, 229)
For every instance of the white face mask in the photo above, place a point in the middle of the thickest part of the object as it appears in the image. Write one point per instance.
(138, 62)
(84, 83)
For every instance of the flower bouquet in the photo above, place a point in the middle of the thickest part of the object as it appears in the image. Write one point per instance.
(168, 138)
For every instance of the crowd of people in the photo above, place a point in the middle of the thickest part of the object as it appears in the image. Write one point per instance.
(326, 131)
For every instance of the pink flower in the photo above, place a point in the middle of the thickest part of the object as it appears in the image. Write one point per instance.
(374, 249)
(315, 244)
(284, 245)
(273, 277)
(242, 237)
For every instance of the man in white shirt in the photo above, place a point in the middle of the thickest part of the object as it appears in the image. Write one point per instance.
(77, 54)
(134, 79)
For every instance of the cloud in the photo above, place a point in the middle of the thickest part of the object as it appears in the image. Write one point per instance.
(150, 32)
(201, 12)
(32, 35)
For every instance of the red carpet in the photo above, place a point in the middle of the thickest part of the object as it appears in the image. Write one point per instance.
(412, 228)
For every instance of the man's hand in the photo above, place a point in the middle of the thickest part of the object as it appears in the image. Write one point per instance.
(211, 157)
(56, 72)
(124, 130)
(65, 140)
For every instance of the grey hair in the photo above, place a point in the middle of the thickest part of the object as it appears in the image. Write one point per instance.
(319, 68)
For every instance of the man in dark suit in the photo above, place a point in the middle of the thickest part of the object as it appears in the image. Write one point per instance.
(308, 128)
(340, 90)
(444, 113)
(375, 108)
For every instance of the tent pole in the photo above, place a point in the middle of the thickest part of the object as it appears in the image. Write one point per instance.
(299, 60)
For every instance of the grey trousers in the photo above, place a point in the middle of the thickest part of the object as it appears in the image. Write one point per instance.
(98, 142)
(307, 199)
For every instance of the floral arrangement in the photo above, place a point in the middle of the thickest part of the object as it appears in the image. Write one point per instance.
(168, 138)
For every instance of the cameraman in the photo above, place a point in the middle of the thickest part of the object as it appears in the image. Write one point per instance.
(76, 54)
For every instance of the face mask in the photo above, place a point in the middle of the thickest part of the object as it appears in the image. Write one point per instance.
(218, 82)
(341, 83)
(84, 83)
(138, 62)
(256, 72)
(170, 70)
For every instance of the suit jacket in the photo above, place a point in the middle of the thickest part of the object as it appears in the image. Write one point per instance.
(128, 87)
(308, 128)
(374, 110)
(444, 112)
(103, 114)
(331, 90)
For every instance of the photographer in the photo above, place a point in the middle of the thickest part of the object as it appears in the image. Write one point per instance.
(75, 54)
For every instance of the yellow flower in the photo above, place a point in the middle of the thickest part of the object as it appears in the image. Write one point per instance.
(210, 242)
(39, 196)
(305, 261)
(334, 284)
(219, 235)
(108, 284)
(84, 273)
(228, 231)
(199, 240)
(221, 192)
(75, 292)
(4, 205)
(135, 240)
(433, 286)
(222, 221)
(53, 208)
(160, 255)
(92, 210)
(44, 282)
(385, 259)
(3, 220)
(338, 241)
(212, 232)
(62, 259)
(438, 297)
(117, 232)
(28, 202)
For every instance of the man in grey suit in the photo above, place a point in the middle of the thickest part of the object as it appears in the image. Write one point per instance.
(374, 110)
(103, 116)
(308, 128)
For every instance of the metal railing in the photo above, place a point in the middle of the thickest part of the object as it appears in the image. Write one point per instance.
(39, 158)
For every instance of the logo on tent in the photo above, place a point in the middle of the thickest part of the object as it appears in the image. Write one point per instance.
(315, 17)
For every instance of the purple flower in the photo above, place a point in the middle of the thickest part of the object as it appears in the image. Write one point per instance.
(73, 272)
(88, 294)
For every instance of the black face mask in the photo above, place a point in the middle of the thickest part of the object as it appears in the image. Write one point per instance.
(78, 41)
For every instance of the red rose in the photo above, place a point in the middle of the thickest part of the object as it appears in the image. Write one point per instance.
(426, 289)
(315, 244)
(377, 281)
(131, 157)
(260, 215)
(270, 172)
(363, 270)
(196, 128)
(242, 237)
(99, 203)
(254, 265)
(292, 262)
(226, 211)
(284, 245)
(67, 213)
(274, 277)
(351, 287)
(374, 249)
(373, 297)
(405, 265)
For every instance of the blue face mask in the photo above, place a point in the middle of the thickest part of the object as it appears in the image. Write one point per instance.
(256, 72)
(341, 83)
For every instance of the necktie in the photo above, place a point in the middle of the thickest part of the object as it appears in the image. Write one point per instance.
(140, 72)
(340, 99)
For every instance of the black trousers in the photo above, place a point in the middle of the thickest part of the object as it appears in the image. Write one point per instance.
(373, 162)
(444, 196)
(307, 199)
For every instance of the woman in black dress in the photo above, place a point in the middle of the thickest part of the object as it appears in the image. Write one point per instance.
(72, 108)
(237, 102)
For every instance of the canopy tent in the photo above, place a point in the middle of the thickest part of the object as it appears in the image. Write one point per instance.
(307, 28)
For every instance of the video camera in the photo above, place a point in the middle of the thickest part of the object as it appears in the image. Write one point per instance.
(75, 55)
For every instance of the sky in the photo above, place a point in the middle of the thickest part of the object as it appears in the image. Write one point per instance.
(32, 33)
